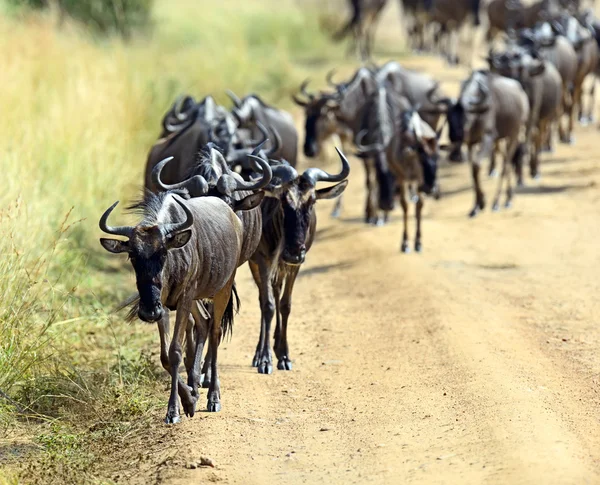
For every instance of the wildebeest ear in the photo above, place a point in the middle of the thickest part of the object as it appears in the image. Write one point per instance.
(179, 240)
(114, 245)
(333, 191)
(248, 203)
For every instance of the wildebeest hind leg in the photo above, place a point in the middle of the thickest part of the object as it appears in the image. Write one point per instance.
(254, 269)
(200, 335)
(220, 302)
(282, 350)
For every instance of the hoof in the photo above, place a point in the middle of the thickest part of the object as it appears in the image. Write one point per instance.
(213, 406)
(336, 213)
(172, 418)
(380, 222)
(493, 173)
(265, 368)
(256, 360)
(474, 212)
(418, 247)
(189, 408)
(205, 380)
(568, 140)
(284, 364)
(404, 248)
(508, 204)
(520, 183)
(496, 207)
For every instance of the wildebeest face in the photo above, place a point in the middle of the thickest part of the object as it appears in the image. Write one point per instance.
(297, 200)
(147, 249)
(320, 124)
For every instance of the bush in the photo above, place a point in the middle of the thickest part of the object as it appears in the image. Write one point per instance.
(104, 16)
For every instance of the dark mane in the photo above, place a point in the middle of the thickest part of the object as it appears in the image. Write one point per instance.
(150, 204)
(204, 165)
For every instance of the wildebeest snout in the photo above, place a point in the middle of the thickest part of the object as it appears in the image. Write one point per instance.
(151, 314)
(294, 255)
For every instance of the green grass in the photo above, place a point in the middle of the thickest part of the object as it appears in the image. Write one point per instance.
(79, 116)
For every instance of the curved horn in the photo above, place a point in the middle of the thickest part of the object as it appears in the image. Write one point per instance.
(275, 145)
(209, 108)
(299, 102)
(196, 185)
(329, 78)
(436, 102)
(366, 149)
(172, 229)
(237, 102)
(303, 90)
(315, 175)
(117, 231)
(227, 183)
(177, 108)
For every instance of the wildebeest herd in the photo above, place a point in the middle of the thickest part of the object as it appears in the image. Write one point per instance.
(222, 186)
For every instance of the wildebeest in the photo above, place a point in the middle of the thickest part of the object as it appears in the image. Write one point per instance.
(451, 16)
(405, 151)
(584, 43)
(513, 14)
(490, 108)
(206, 122)
(251, 111)
(289, 225)
(557, 50)
(337, 115)
(542, 83)
(183, 252)
(344, 114)
(362, 25)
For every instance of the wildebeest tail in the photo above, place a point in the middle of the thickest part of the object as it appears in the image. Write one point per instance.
(132, 301)
(233, 307)
(346, 29)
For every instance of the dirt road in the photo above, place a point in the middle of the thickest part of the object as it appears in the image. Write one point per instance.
(474, 362)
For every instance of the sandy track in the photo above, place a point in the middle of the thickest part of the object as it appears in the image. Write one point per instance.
(473, 362)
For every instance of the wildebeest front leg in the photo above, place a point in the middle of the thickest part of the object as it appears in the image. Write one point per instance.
(220, 302)
(282, 350)
(163, 331)
(404, 204)
(420, 203)
(176, 357)
(487, 146)
(262, 359)
(370, 211)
